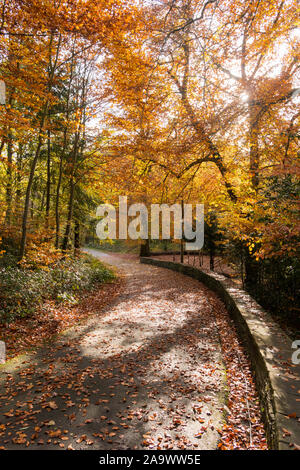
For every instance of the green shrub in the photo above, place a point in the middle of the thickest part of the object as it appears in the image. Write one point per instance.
(21, 290)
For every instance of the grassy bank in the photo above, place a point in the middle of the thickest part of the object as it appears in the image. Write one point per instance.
(23, 290)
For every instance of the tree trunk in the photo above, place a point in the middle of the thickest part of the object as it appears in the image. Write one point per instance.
(76, 237)
(145, 248)
(48, 184)
(64, 245)
(254, 150)
(57, 218)
(27, 197)
(9, 162)
(65, 142)
(9, 180)
(18, 186)
(72, 192)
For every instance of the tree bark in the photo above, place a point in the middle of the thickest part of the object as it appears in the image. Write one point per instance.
(254, 149)
(48, 184)
(57, 218)
(27, 197)
(72, 191)
(145, 248)
(9, 180)
(62, 155)
(65, 242)
(76, 237)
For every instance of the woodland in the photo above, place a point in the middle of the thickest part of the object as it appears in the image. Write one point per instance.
(162, 101)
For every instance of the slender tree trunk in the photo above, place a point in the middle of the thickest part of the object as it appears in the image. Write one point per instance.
(18, 185)
(181, 241)
(9, 180)
(254, 148)
(59, 181)
(27, 197)
(76, 237)
(72, 191)
(48, 184)
(42, 201)
(57, 218)
(254, 157)
(62, 155)
(69, 217)
(9, 172)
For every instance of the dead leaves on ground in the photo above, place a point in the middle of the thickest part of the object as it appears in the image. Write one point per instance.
(146, 388)
(52, 318)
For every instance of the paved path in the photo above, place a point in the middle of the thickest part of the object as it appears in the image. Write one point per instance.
(145, 373)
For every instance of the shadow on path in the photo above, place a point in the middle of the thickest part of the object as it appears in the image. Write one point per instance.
(144, 372)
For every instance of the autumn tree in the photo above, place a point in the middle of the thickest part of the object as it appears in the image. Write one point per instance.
(47, 48)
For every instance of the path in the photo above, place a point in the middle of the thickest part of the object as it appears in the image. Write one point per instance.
(147, 372)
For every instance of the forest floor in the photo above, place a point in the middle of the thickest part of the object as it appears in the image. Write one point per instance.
(158, 366)
(52, 318)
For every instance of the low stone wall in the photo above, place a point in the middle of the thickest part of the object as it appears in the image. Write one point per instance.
(269, 349)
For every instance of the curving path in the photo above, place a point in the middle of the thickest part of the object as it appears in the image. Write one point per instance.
(145, 373)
